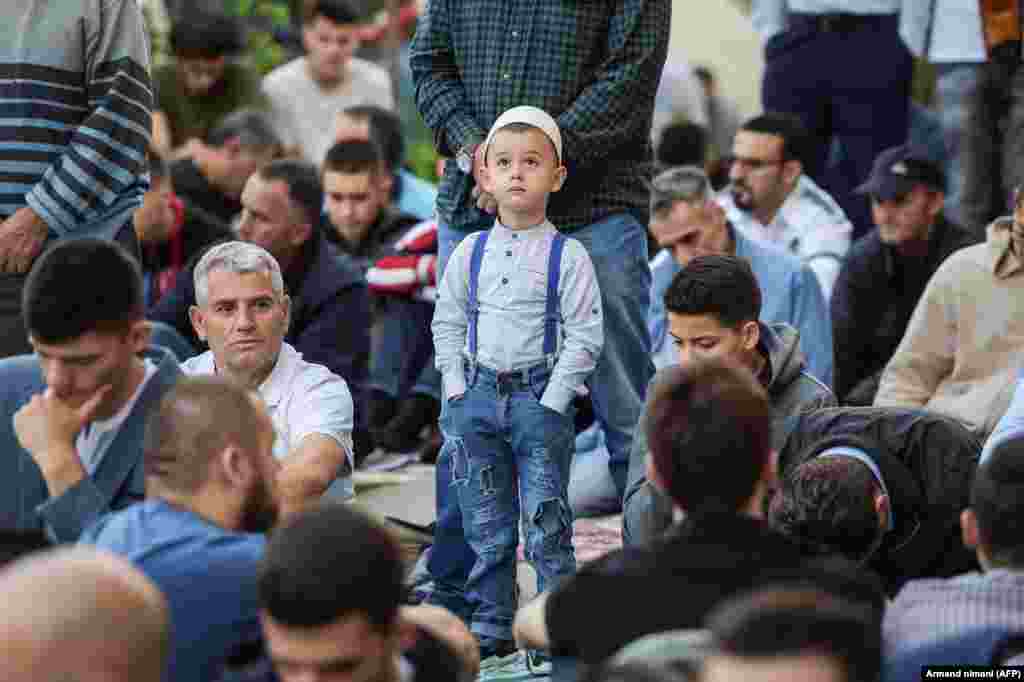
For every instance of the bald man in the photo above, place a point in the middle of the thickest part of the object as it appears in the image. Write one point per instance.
(210, 495)
(77, 613)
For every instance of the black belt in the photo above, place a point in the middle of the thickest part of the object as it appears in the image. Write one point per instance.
(841, 23)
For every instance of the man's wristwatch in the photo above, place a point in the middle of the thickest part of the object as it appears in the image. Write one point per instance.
(464, 159)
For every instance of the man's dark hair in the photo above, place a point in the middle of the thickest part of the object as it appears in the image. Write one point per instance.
(722, 286)
(354, 157)
(997, 500)
(304, 188)
(330, 562)
(336, 11)
(385, 131)
(791, 622)
(682, 144)
(206, 35)
(82, 285)
(796, 141)
(252, 128)
(709, 431)
(828, 505)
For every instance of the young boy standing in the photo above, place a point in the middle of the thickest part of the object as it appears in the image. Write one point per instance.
(517, 330)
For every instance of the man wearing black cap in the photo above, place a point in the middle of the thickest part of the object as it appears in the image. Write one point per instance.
(887, 269)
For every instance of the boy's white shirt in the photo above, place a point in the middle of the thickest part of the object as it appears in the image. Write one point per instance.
(512, 293)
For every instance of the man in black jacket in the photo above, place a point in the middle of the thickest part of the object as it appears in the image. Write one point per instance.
(886, 270)
(881, 486)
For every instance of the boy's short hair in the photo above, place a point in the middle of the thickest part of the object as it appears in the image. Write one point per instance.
(997, 500)
(79, 286)
(354, 157)
(336, 11)
(330, 562)
(724, 287)
(709, 431)
(206, 36)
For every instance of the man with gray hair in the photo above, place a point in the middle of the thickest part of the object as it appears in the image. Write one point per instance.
(242, 312)
(76, 613)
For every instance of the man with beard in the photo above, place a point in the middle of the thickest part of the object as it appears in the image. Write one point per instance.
(210, 474)
(770, 198)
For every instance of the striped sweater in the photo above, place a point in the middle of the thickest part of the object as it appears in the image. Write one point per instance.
(75, 102)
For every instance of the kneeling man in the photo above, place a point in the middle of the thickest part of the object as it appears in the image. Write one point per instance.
(242, 312)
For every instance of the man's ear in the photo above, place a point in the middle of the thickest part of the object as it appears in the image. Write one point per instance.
(560, 175)
(969, 529)
(654, 476)
(236, 468)
(772, 475)
(791, 171)
(882, 508)
(139, 334)
(195, 315)
(286, 301)
(751, 331)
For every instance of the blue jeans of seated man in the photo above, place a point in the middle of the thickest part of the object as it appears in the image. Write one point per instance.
(509, 457)
(402, 349)
(617, 246)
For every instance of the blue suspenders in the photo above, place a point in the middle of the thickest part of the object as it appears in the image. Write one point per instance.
(551, 310)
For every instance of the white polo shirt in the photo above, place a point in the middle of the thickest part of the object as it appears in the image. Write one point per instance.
(302, 398)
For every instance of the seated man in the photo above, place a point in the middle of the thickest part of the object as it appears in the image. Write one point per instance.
(73, 414)
(686, 222)
(211, 178)
(170, 234)
(404, 388)
(409, 193)
(771, 198)
(242, 312)
(330, 590)
(329, 316)
(800, 635)
(960, 354)
(883, 487)
(200, 86)
(210, 488)
(931, 609)
(75, 613)
(714, 304)
(709, 428)
(887, 269)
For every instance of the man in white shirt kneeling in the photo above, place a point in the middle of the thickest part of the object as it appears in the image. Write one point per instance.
(242, 312)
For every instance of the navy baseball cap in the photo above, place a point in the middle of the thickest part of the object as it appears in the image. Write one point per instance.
(898, 169)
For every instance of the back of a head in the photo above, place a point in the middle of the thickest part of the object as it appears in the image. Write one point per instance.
(79, 286)
(328, 563)
(336, 11)
(782, 623)
(796, 141)
(997, 500)
(77, 612)
(252, 129)
(709, 431)
(304, 188)
(196, 420)
(722, 286)
(682, 144)
(385, 131)
(827, 504)
(206, 35)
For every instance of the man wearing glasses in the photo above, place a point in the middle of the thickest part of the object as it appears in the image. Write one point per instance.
(770, 198)
(887, 270)
(962, 348)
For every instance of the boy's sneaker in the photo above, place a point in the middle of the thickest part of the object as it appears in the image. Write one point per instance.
(507, 668)
(538, 663)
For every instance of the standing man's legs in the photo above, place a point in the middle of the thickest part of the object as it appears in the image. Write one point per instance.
(451, 558)
(618, 249)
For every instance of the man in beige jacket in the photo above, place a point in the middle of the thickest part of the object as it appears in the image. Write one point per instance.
(962, 349)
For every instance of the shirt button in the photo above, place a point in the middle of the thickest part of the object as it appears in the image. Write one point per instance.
(507, 76)
(508, 253)
(504, 280)
(515, 34)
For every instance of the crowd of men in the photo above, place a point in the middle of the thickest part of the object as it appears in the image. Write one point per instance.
(791, 364)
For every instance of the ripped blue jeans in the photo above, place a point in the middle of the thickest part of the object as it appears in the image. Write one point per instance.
(509, 457)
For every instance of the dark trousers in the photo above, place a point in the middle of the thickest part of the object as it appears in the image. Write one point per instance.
(13, 336)
(850, 80)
